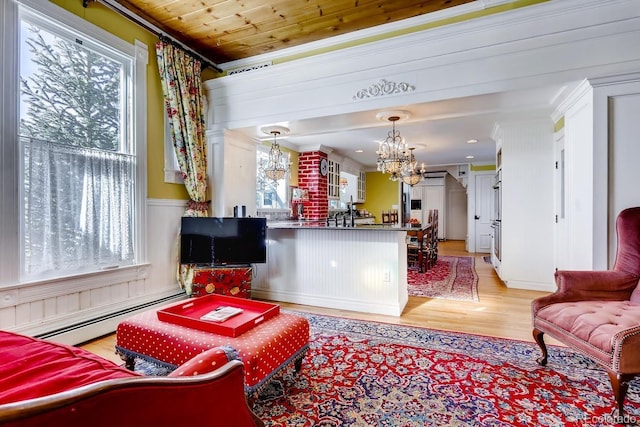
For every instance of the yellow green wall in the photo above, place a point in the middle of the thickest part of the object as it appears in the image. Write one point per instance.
(381, 194)
(478, 168)
(123, 28)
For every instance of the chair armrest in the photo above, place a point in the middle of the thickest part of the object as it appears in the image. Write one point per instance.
(626, 357)
(205, 362)
(573, 285)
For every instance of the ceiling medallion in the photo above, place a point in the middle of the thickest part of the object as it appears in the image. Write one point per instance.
(382, 88)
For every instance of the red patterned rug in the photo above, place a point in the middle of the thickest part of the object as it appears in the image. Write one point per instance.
(360, 373)
(453, 277)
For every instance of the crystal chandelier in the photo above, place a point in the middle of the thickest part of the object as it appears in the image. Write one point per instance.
(393, 154)
(410, 174)
(277, 165)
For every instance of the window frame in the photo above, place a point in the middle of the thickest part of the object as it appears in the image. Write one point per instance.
(11, 225)
(286, 180)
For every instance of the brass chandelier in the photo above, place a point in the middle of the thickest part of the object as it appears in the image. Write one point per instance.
(393, 154)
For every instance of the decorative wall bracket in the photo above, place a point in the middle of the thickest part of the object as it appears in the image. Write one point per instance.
(382, 88)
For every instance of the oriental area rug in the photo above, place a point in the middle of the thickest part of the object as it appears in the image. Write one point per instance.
(360, 373)
(452, 277)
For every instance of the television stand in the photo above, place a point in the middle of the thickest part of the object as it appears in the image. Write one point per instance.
(227, 280)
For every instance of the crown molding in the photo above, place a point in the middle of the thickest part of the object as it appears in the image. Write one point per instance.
(355, 36)
(582, 89)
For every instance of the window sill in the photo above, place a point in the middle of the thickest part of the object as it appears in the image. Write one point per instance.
(83, 280)
(173, 177)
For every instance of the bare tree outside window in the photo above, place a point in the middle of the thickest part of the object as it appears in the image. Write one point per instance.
(79, 169)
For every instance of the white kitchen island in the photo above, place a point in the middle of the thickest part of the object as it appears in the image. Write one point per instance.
(360, 269)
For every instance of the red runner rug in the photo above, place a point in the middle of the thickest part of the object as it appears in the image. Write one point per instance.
(452, 277)
(360, 373)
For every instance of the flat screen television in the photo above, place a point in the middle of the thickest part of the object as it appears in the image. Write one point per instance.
(223, 241)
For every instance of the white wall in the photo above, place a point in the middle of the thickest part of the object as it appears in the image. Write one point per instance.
(579, 180)
(616, 129)
(232, 172)
(527, 205)
(600, 133)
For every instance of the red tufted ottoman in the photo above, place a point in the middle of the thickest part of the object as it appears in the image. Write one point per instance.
(265, 349)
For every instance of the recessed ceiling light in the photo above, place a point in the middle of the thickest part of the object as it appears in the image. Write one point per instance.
(469, 157)
(472, 141)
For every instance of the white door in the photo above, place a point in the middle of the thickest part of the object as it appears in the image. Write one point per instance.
(483, 212)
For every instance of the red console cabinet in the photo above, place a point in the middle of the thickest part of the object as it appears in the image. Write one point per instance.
(230, 281)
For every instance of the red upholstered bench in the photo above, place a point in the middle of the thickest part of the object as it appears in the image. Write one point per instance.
(264, 350)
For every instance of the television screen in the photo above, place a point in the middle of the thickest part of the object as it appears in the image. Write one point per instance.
(223, 241)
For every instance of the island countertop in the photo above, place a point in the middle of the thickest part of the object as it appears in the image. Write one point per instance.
(323, 225)
(361, 268)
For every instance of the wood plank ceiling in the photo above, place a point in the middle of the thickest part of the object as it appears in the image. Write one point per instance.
(226, 30)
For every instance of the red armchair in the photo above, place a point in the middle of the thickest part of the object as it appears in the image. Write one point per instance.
(598, 312)
(44, 383)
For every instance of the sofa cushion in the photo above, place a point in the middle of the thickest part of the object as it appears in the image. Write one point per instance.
(594, 322)
(30, 368)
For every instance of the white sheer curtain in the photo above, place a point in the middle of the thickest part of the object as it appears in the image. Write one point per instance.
(78, 207)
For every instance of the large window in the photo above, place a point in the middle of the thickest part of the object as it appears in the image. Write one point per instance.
(78, 195)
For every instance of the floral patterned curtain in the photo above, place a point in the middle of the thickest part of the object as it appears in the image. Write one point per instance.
(182, 88)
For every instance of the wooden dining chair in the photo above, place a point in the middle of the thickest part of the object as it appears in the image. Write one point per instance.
(415, 252)
(430, 249)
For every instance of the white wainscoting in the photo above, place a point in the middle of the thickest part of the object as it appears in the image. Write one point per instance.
(348, 269)
(80, 308)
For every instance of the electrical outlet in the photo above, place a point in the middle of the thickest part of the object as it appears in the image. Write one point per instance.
(387, 276)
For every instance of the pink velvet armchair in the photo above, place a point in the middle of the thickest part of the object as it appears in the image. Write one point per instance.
(598, 312)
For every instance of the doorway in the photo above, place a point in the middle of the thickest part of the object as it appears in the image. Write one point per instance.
(483, 215)
(456, 210)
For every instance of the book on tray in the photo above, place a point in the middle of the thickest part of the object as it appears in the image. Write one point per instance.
(221, 313)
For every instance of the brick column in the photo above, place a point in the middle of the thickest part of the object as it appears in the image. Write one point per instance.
(309, 178)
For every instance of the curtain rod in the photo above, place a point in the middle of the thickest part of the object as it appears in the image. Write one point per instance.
(118, 8)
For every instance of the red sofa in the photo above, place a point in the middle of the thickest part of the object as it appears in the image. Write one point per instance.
(46, 383)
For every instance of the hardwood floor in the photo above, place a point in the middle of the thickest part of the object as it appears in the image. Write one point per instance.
(501, 312)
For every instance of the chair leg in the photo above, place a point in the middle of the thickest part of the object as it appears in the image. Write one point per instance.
(620, 385)
(539, 337)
